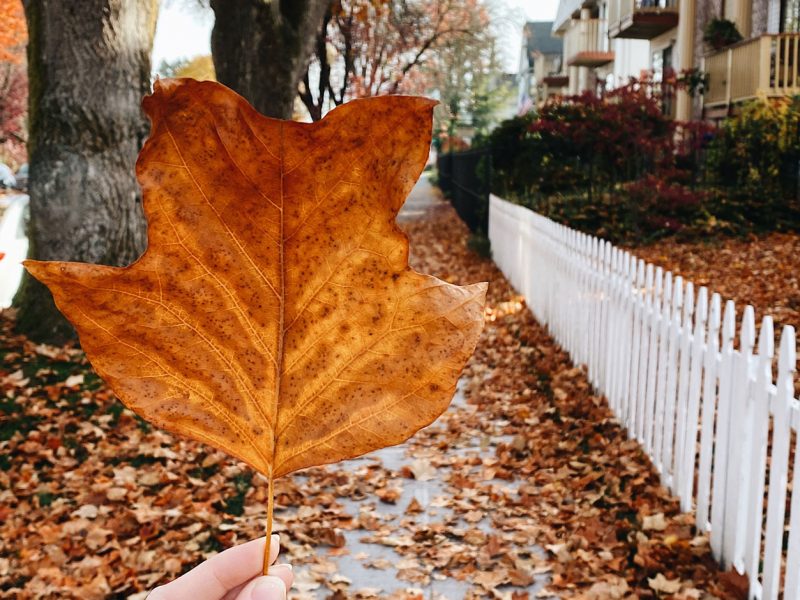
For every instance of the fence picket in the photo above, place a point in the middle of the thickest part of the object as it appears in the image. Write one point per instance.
(720, 468)
(664, 321)
(738, 462)
(778, 475)
(644, 362)
(759, 439)
(711, 364)
(792, 586)
(614, 333)
(682, 402)
(668, 367)
(626, 299)
(631, 392)
(604, 316)
(654, 319)
(664, 456)
(686, 464)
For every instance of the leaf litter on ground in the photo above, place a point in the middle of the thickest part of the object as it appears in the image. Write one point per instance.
(95, 503)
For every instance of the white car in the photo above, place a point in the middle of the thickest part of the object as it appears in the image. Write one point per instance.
(13, 245)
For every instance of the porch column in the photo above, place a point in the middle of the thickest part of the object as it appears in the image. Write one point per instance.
(744, 17)
(583, 46)
(685, 42)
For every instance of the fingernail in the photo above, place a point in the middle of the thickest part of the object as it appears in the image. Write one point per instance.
(268, 588)
(285, 565)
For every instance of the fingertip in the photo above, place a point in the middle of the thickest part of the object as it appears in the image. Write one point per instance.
(269, 587)
(274, 547)
(284, 573)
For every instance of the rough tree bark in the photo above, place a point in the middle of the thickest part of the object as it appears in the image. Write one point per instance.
(89, 66)
(261, 48)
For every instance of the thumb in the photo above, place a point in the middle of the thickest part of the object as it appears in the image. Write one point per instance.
(264, 588)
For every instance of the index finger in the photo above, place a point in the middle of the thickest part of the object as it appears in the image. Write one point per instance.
(212, 579)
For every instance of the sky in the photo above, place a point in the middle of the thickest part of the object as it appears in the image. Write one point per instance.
(184, 28)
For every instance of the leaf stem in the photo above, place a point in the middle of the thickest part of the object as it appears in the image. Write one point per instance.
(270, 506)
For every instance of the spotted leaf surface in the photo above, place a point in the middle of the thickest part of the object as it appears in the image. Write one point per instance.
(273, 314)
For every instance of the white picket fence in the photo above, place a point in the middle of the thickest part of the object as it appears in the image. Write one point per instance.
(704, 408)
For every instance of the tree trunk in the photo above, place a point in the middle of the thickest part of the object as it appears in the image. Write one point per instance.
(261, 48)
(89, 66)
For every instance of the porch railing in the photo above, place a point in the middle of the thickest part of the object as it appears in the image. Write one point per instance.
(768, 65)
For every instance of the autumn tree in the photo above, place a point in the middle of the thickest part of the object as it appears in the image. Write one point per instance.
(466, 75)
(200, 68)
(13, 33)
(13, 82)
(376, 47)
(89, 66)
(13, 110)
(261, 48)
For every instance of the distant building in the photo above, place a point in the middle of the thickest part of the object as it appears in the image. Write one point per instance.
(608, 41)
(592, 59)
(540, 59)
(765, 63)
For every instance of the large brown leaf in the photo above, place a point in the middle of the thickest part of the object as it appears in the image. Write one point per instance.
(274, 314)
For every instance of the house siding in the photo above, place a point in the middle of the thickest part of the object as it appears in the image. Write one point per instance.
(760, 17)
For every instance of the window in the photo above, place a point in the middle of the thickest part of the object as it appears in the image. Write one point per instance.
(790, 16)
(663, 75)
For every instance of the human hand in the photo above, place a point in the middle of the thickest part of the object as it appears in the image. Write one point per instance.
(234, 574)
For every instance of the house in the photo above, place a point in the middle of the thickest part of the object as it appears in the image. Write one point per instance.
(765, 63)
(540, 59)
(659, 24)
(592, 58)
(608, 41)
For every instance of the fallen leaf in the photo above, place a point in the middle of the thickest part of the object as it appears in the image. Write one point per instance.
(654, 522)
(17, 379)
(273, 314)
(489, 580)
(473, 516)
(87, 511)
(97, 537)
(389, 495)
(735, 584)
(560, 551)
(616, 589)
(116, 493)
(423, 470)
(74, 380)
(414, 507)
(659, 583)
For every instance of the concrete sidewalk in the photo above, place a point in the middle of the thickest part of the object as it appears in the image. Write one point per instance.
(368, 565)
